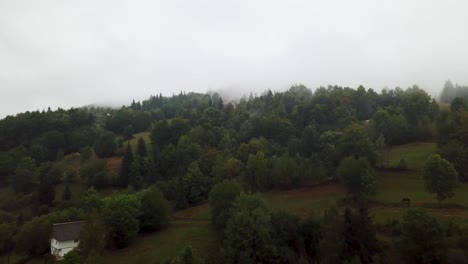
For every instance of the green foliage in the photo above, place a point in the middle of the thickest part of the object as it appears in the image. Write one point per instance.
(90, 201)
(48, 176)
(105, 145)
(422, 239)
(155, 210)
(458, 104)
(455, 152)
(25, 175)
(86, 153)
(165, 132)
(196, 185)
(136, 180)
(448, 92)
(382, 152)
(248, 233)
(93, 236)
(128, 132)
(228, 170)
(310, 140)
(451, 92)
(118, 121)
(124, 173)
(186, 256)
(357, 176)
(394, 127)
(440, 177)
(355, 141)
(34, 236)
(95, 173)
(221, 199)
(120, 213)
(311, 234)
(141, 149)
(7, 232)
(359, 236)
(72, 258)
(273, 141)
(287, 236)
(331, 245)
(256, 169)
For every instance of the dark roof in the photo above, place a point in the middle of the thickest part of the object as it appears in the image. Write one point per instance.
(67, 231)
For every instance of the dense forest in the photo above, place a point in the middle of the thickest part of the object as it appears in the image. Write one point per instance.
(450, 92)
(200, 148)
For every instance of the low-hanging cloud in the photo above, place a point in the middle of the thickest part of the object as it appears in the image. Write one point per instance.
(72, 53)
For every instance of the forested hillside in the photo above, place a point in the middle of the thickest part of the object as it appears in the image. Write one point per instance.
(124, 170)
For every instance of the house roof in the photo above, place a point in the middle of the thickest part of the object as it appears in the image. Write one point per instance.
(67, 231)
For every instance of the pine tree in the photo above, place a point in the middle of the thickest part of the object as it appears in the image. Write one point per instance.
(136, 174)
(220, 103)
(127, 161)
(142, 152)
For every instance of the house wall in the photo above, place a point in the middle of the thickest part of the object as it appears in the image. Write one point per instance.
(60, 248)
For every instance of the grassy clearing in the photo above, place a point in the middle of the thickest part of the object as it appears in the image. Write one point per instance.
(75, 188)
(113, 166)
(394, 186)
(384, 215)
(303, 201)
(415, 154)
(191, 226)
(155, 248)
(199, 212)
(134, 141)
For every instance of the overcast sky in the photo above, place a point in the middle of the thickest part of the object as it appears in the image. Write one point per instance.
(74, 53)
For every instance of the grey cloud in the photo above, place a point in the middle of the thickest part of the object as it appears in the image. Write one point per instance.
(72, 53)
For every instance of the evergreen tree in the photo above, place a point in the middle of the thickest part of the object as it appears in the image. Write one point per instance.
(25, 175)
(136, 174)
(422, 238)
(128, 132)
(220, 103)
(142, 152)
(222, 197)
(248, 233)
(331, 245)
(46, 191)
(124, 174)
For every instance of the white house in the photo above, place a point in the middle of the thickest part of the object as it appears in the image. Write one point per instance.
(64, 238)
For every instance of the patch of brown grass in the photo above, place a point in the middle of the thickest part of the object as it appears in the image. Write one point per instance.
(113, 165)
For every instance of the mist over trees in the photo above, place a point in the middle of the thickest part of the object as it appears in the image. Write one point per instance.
(199, 148)
(451, 91)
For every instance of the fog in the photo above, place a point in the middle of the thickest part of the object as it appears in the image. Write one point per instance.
(74, 53)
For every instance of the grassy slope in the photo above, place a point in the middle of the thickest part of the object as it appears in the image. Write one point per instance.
(154, 248)
(191, 226)
(134, 141)
(392, 186)
(415, 154)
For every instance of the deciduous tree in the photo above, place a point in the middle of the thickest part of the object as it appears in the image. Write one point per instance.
(121, 212)
(221, 199)
(440, 177)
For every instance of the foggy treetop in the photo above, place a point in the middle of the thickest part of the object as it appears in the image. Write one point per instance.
(77, 53)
